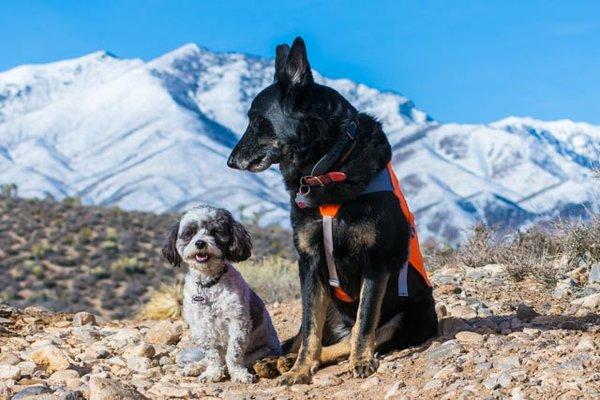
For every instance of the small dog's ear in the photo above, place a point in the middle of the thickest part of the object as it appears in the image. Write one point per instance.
(297, 69)
(240, 244)
(169, 250)
(281, 54)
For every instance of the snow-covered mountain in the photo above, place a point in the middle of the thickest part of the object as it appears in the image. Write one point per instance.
(156, 135)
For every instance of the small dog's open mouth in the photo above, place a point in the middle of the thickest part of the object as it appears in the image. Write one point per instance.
(202, 257)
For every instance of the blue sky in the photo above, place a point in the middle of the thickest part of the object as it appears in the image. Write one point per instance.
(460, 61)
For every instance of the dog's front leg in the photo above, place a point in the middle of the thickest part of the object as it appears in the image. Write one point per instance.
(239, 333)
(314, 308)
(362, 346)
(215, 367)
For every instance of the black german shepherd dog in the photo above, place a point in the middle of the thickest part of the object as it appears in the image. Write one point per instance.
(294, 123)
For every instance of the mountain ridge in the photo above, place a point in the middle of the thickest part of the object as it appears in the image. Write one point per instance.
(155, 136)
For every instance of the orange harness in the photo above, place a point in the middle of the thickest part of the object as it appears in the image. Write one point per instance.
(415, 258)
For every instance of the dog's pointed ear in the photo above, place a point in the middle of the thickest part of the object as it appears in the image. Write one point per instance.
(240, 244)
(169, 250)
(281, 53)
(297, 68)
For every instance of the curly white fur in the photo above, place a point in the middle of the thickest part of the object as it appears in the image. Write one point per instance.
(231, 326)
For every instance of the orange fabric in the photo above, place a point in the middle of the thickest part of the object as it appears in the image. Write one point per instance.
(329, 210)
(415, 257)
(342, 295)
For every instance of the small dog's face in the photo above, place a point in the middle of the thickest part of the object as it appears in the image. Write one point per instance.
(285, 117)
(205, 237)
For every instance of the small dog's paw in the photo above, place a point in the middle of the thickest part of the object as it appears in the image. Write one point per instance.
(294, 378)
(361, 368)
(212, 375)
(286, 362)
(267, 367)
(192, 369)
(242, 376)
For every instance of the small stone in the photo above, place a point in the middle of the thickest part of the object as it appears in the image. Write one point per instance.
(51, 357)
(526, 313)
(469, 337)
(393, 390)
(563, 288)
(63, 376)
(164, 332)
(109, 389)
(465, 312)
(433, 384)
(328, 380)
(27, 367)
(141, 350)
(586, 344)
(138, 364)
(9, 358)
(509, 362)
(33, 392)
(84, 318)
(371, 382)
(445, 350)
(8, 372)
(591, 302)
(594, 276)
(170, 390)
(449, 326)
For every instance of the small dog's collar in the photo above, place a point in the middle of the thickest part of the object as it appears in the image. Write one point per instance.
(214, 280)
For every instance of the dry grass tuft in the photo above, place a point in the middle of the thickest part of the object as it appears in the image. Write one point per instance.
(273, 278)
(165, 303)
(543, 253)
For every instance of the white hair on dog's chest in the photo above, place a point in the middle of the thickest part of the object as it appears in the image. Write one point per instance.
(228, 300)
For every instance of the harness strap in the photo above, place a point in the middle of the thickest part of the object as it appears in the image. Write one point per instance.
(385, 180)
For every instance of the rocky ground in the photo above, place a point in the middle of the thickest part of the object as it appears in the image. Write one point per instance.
(499, 338)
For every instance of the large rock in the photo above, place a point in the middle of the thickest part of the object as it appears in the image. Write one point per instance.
(467, 337)
(165, 332)
(51, 357)
(108, 389)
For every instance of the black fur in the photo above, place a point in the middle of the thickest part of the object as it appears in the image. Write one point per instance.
(293, 123)
(240, 244)
(169, 250)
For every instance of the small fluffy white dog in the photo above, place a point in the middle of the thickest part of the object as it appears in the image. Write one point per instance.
(228, 321)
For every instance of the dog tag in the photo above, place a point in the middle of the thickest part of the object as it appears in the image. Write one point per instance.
(199, 299)
(302, 200)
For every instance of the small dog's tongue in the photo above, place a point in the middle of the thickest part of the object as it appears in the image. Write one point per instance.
(201, 257)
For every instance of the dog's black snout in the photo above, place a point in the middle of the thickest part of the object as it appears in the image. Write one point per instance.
(231, 163)
(200, 244)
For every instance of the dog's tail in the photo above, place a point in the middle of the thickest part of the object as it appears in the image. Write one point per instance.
(164, 303)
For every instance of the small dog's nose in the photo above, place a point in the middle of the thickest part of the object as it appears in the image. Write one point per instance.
(200, 244)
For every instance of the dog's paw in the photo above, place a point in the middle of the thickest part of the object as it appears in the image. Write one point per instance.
(267, 367)
(242, 376)
(212, 375)
(192, 369)
(294, 377)
(286, 362)
(363, 367)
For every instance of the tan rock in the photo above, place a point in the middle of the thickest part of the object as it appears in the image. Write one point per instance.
(164, 332)
(469, 337)
(109, 389)
(84, 318)
(51, 357)
(63, 376)
(8, 372)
